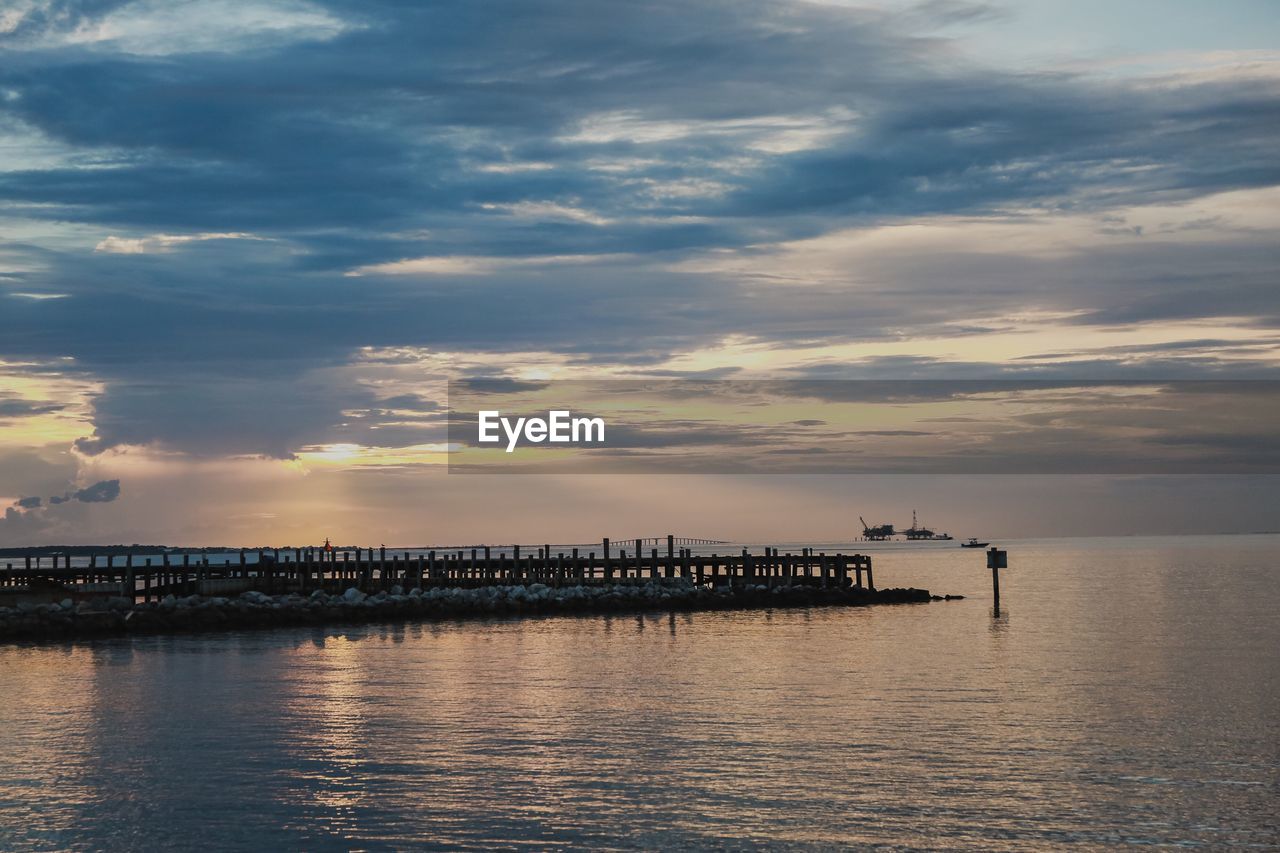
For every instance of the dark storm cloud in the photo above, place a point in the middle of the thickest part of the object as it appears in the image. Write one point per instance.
(29, 515)
(412, 402)
(495, 386)
(16, 407)
(969, 144)
(103, 491)
(218, 414)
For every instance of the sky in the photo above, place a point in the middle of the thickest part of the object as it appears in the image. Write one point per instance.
(244, 246)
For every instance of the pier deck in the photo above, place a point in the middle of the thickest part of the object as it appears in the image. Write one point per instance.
(148, 578)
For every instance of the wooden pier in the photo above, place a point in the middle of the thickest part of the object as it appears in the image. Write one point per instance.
(304, 570)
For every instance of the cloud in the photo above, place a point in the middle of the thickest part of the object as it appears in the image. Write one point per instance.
(233, 206)
(732, 122)
(159, 242)
(150, 28)
(30, 517)
(1008, 426)
(16, 407)
(222, 415)
(104, 491)
(18, 294)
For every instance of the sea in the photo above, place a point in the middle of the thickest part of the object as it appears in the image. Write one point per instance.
(1125, 694)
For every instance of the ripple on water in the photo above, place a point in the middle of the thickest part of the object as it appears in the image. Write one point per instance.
(1106, 705)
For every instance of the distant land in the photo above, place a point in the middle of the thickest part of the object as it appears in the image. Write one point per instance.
(103, 550)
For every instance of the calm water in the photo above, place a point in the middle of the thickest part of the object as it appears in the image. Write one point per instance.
(1127, 694)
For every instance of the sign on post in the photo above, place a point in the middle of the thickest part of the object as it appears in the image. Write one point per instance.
(996, 560)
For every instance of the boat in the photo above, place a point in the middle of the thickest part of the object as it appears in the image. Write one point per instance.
(974, 543)
(942, 537)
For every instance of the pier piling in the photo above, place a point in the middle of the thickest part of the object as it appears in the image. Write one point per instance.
(155, 576)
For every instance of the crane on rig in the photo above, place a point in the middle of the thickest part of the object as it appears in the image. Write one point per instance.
(879, 533)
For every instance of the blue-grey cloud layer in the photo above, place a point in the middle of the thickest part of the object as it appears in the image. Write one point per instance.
(408, 135)
(385, 128)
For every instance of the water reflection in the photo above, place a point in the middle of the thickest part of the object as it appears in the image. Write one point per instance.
(1113, 708)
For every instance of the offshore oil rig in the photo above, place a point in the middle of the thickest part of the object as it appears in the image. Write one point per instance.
(915, 533)
(876, 533)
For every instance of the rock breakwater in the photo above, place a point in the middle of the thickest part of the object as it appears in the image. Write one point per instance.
(113, 616)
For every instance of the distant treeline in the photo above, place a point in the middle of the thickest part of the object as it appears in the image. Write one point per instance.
(105, 550)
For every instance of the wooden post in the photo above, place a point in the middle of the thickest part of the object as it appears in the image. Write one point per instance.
(671, 555)
(608, 571)
(995, 587)
(130, 583)
(996, 560)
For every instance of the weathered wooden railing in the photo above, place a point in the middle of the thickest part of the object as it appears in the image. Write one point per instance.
(307, 569)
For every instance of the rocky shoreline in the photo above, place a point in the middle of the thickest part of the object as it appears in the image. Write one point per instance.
(118, 616)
